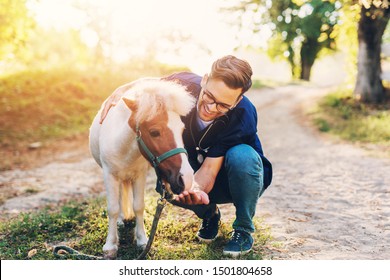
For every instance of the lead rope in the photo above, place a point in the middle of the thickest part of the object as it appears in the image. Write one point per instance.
(160, 206)
(161, 202)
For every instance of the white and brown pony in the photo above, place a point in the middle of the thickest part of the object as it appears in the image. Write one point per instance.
(151, 110)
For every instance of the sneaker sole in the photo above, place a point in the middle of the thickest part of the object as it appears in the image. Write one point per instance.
(207, 241)
(236, 254)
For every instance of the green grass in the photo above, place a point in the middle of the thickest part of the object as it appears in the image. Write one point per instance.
(341, 115)
(83, 226)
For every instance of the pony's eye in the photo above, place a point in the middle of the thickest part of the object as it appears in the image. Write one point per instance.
(154, 133)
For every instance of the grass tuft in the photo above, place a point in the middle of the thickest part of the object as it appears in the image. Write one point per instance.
(340, 114)
(83, 226)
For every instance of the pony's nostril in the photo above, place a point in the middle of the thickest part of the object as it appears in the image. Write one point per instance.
(180, 181)
(178, 185)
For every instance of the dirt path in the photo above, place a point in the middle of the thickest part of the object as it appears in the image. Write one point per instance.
(328, 200)
(69, 175)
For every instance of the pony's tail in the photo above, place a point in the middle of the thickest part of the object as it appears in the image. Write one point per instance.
(127, 201)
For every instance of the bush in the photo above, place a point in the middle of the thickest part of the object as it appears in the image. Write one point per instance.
(40, 105)
(340, 114)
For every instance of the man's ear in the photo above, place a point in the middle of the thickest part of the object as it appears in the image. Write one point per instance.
(204, 80)
(131, 104)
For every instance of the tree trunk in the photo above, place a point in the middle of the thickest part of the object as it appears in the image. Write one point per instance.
(305, 70)
(309, 52)
(372, 24)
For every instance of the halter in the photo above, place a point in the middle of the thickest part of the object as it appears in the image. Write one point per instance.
(156, 160)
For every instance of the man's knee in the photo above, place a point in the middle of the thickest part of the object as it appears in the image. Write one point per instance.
(242, 157)
(244, 167)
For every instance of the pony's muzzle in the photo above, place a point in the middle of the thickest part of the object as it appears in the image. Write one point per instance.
(177, 184)
(180, 179)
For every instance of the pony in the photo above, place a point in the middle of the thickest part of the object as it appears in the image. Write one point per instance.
(151, 110)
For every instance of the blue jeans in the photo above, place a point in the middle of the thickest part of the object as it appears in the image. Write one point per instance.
(240, 181)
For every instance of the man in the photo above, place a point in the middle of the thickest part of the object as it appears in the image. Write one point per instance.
(224, 150)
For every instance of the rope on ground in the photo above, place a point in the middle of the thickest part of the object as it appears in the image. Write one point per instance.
(74, 253)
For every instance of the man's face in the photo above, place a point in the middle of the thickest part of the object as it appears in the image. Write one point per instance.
(216, 99)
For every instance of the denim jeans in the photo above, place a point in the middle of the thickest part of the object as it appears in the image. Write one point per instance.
(240, 181)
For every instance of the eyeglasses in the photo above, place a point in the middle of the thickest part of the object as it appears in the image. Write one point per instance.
(209, 98)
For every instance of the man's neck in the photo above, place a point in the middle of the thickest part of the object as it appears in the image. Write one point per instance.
(201, 123)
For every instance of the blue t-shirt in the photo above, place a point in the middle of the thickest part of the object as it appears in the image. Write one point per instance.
(239, 126)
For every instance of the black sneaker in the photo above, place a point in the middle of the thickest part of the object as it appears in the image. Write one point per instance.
(240, 243)
(209, 229)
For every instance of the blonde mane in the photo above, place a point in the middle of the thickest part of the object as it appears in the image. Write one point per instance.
(156, 96)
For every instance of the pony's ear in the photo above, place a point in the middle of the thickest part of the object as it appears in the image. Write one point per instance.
(131, 104)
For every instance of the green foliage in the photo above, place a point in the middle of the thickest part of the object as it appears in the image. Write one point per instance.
(340, 114)
(15, 25)
(386, 35)
(347, 40)
(83, 226)
(58, 49)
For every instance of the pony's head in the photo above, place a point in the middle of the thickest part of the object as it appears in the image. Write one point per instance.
(156, 108)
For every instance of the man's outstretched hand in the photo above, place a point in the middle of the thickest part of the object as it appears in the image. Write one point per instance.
(193, 197)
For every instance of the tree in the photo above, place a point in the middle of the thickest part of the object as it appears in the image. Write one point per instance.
(15, 25)
(300, 29)
(374, 17)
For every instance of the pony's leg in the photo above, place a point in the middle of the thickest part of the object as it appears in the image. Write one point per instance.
(139, 206)
(110, 248)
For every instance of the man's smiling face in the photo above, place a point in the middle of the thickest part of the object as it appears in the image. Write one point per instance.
(216, 99)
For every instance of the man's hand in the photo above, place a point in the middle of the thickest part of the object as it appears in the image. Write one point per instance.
(114, 98)
(193, 197)
(110, 102)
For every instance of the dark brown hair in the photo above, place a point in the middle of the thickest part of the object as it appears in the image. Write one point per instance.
(235, 73)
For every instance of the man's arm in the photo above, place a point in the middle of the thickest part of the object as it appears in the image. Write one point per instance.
(204, 182)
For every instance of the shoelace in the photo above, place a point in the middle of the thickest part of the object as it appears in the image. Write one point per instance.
(237, 236)
(206, 223)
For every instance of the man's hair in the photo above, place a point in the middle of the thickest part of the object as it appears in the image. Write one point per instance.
(235, 73)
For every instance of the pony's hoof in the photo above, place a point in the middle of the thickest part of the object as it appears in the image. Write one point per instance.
(142, 241)
(110, 251)
(142, 244)
(110, 254)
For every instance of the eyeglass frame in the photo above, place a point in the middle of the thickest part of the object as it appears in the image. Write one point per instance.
(214, 101)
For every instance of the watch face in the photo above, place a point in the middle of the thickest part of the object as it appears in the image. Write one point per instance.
(200, 158)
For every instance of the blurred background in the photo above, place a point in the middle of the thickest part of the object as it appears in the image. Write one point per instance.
(320, 68)
(59, 59)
